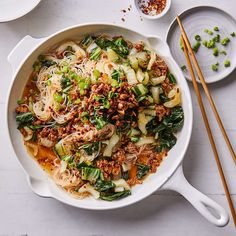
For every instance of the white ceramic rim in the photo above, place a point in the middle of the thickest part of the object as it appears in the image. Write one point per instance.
(189, 10)
(23, 13)
(172, 168)
(166, 9)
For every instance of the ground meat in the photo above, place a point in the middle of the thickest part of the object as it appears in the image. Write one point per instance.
(134, 181)
(139, 47)
(167, 86)
(49, 133)
(110, 169)
(22, 109)
(161, 111)
(156, 160)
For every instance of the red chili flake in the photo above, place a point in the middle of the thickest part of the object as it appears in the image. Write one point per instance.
(152, 7)
(124, 11)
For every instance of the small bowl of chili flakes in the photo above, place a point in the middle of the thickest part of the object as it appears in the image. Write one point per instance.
(152, 9)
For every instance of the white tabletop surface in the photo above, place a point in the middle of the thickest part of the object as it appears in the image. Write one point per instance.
(164, 213)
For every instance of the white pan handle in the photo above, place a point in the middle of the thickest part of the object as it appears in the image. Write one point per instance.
(22, 50)
(201, 202)
(39, 187)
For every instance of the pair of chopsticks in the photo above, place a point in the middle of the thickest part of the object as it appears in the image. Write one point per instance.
(188, 51)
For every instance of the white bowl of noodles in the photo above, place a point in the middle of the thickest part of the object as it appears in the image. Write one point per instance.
(168, 175)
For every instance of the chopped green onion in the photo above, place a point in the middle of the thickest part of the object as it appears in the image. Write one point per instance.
(223, 52)
(77, 101)
(233, 34)
(209, 44)
(20, 101)
(106, 104)
(84, 113)
(58, 98)
(49, 82)
(99, 123)
(214, 67)
(135, 139)
(216, 28)
(198, 37)
(215, 51)
(216, 38)
(96, 74)
(227, 63)
(196, 46)
(65, 69)
(225, 41)
(181, 44)
(208, 31)
(183, 68)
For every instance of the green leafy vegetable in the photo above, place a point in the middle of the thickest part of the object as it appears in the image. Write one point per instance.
(163, 98)
(86, 41)
(102, 186)
(81, 165)
(114, 196)
(91, 174)
(103, 42)
(142, 170)
(90, 148)
(171, 78)
(125, 175)
(95, 54)
(171, 123)
(121, 47)
(116, 75)
(166, 141)
(24, 119)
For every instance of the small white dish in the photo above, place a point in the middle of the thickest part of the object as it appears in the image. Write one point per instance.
(13, 9)
(150, 17)
(195, 20)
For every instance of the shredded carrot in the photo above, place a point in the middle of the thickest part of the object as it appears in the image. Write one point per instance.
(133, 172)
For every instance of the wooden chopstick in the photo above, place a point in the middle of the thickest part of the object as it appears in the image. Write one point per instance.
(207, 92)
(213, 145)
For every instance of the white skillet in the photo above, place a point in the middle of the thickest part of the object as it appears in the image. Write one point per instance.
(170, 173)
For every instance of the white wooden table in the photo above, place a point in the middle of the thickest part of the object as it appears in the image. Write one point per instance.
(164, 213)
